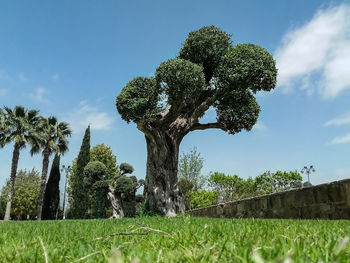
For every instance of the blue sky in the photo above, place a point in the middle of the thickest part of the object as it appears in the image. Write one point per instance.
(71, 59)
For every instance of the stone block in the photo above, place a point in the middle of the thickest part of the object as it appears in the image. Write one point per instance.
(220, 210)
(308, 197)
(289, 199)
(321, 194)
(228, 210)
(336, 193)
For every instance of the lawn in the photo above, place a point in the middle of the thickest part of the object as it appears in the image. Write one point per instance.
(181, 239)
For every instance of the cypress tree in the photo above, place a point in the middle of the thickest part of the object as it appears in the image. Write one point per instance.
(80, 198)
(52, 191)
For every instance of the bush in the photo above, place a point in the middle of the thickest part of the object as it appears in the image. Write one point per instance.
(124, 184)
(203, 198)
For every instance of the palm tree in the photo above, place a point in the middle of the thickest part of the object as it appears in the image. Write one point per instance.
(53, 139)
(18, 126)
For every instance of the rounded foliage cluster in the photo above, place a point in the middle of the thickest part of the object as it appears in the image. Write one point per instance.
(105, 155)
(101, 184)
(247, 66)
(138, 99)
(126, 168)
(124, 184)
(181, 80)
(206, 47)
(238, 111)
(94, 171)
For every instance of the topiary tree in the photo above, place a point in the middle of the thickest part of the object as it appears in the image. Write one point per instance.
(105, 155)
(126, 168)
(95, 173)
(117, 190)
(209, 72)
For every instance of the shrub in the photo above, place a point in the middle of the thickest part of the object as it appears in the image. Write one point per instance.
(203, 198)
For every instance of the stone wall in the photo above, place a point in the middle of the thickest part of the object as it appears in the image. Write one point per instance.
(330, 201)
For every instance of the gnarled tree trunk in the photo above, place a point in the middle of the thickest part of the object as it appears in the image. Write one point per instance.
(15, 157)
(116, 203)
(162, 190)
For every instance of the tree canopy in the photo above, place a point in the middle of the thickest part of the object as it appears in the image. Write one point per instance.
(209, 71)
(26, 193)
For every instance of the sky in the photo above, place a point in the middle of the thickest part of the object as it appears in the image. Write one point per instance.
(71, 59)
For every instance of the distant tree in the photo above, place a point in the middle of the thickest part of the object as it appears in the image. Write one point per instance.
(24, 202)
(190, 166)
(129, 201)
(246, 188)
(104, 154)
(52, 191)
(79, 195)
(123, 185)
(186, 189)
(274, 182)
(126, 168)
(225, 185)
(95, 176)
(189, 173)
(204, 198)
(53, 139)
(232, 187)
(209, 72)
(20, 127)
(120, 191)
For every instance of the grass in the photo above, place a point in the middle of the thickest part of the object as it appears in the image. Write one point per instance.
(181, 239)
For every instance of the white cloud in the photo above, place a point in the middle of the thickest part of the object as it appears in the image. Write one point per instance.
(3, 92)
(55, 77)
(342, 120)
(39, 95)
(81, 117)
(259, 126)
(321, 46)
(341, 139)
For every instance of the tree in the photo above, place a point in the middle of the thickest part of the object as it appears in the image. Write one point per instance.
(209, 71)
(126, 168)
(26, 192)
(52, 191)
(79, 195)
(189, 173)
(225, 185)
(190, 166)
(20, 127)
(95, 178)
(232, 187)
(105, 155)
(274, 182)
(53, 139)
(204, 198)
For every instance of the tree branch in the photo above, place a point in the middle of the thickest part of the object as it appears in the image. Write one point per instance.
(213, 125)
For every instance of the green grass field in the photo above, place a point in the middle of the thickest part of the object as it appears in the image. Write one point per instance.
(182, 239)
